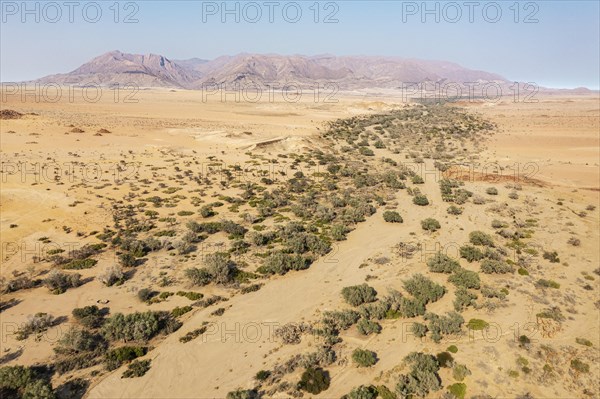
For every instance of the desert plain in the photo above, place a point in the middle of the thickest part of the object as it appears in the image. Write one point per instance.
(149, 185)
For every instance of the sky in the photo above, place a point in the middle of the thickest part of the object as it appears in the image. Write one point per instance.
(551, 43)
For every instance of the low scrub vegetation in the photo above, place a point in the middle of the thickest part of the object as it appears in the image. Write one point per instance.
(450, 324)
(89, 316)
(423, 377)
(481, 239)
(35, 324)
(358, 294)
(492, 266)
(314, 380)
(58, 282)
(392, 217)
(124, 354)
(442, 263)
(424, 289)
(430, 224)
(477, 324)
(364, 358)
(137, 368)
(465, 278)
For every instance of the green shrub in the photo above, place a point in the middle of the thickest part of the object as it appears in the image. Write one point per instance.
(192, 296)
(24, 382)
(524, 340)
(58, 282)
(339, 231)
(38, 389)
(430, 224)
(454, 210)
(452, 349)
(523, 272)
(364, 358)
(442, 263)
(445, 359)
(583, 341)
(481, 238)
(490, 266)
(314, 380)
(233, 229)
(242, 394)
(460, 372)
(180, 311)
(207, 211)
(132, 327)
(341, 320)
(78, 349)
(459, 389)
(89, 316)
(551, 256)
(366, 151)
(209, 227)
(15, 377)
(492, 191)
(385, 393)
(127, 259)
(366, 326)
(548, 283)
(424, 289)
(464, 299)
(423, 377)
(198, 276)
(407, 308)
(419, 329)
(358, 294)
(117, 357)
(220, 267)
(477, 324)
(78, 264)
(392, 217)
(281, 263)
(250, 288)
(471, 253)
(137, 368)
(36, 324)
(145, 294)
(193, 334)
(112, 276)
(416, 179)
(444, 325)
(362, 392)
(580, 366)
(553, 313)
(420, 200)
(465, 278)
(262, 375)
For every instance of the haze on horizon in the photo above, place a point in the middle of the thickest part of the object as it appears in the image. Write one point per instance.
(555, 44)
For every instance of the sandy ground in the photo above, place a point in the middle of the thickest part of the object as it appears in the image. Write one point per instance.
(554, 141)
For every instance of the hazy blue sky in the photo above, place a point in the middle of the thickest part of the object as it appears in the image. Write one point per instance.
(561, 49)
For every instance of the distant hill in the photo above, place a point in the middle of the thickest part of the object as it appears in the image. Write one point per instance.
(116, 67)
(348, 72)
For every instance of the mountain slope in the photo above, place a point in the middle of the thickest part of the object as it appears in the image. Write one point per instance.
(116, 67)
(348, 72)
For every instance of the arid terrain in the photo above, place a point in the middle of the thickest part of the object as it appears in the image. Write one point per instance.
(219, 249)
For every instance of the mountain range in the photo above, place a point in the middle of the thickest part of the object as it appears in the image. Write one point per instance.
(347, 72)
